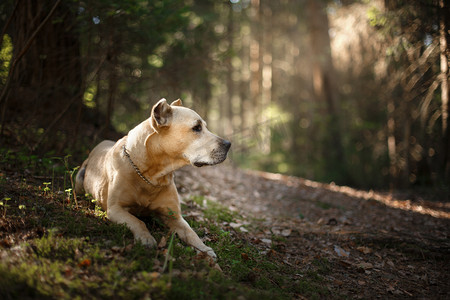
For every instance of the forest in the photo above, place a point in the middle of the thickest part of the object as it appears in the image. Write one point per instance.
(321, 100)
(354, 92)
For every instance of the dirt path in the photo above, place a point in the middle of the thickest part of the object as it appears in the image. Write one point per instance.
(361, 244)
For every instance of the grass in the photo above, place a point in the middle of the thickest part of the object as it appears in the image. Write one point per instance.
(54, 247)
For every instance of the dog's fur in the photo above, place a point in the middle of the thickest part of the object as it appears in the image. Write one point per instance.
(172, 137)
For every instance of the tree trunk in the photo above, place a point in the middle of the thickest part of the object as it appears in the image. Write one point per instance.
(112, 85)
(444, 56)
(228, 101)
(48, 77)
(324, 83)
(392, 144)
(253, 112)
(266, 82)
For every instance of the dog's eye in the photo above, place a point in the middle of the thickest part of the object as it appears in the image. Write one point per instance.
(197, 128)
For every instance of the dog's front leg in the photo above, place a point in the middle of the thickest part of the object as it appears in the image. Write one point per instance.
(188, 235)
(118, 214)
(167, 204)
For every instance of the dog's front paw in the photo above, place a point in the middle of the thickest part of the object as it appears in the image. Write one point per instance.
(146, 239)
(210, 252)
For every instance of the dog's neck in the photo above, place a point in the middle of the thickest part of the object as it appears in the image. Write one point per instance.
(151, 161)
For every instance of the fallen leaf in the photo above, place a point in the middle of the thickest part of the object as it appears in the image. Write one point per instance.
(392, 289)
(245, 256)
(235, 225)
(5, 243)
(256, 240)
(288, 263)
(345, 263)
(271, 253)
(397, 292)
(338, 282)
(276, 230)
(267, 241)
(154, 275)
(341, 252)
(332, 222)
(68, 272)
(365, 265)
(286, 232)
(85, 263)
(78, 253)
(129, 247)
(162, 242)
(194, 214)
(364, 249)
(116, 249)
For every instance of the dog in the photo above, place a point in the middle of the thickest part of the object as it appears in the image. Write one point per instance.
(134, 175)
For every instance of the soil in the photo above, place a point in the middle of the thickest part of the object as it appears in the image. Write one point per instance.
(368, 244)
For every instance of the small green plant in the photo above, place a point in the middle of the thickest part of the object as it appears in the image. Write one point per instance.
(69, 194)
(23, 183)
(169, 257)
(46, 189)
(5, 205)
(97, 209)
(69, 171)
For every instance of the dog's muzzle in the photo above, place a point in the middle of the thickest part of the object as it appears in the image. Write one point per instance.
(217, 155)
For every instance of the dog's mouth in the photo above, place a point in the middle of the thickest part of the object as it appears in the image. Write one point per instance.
(216, 156)
(201, 164)
(218, 160)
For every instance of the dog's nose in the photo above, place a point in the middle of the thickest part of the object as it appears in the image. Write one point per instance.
(226, 144)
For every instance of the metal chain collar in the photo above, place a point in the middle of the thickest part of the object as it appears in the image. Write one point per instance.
(125, 152)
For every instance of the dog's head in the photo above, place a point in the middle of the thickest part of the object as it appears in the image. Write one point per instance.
(182, 134)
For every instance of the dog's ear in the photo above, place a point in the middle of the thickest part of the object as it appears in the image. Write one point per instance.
(161, 114)
(176, 103)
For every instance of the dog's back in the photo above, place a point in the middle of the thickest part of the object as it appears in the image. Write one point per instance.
(94, 165)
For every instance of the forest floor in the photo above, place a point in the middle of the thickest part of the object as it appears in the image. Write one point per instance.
(363, 244)
(276, 237)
